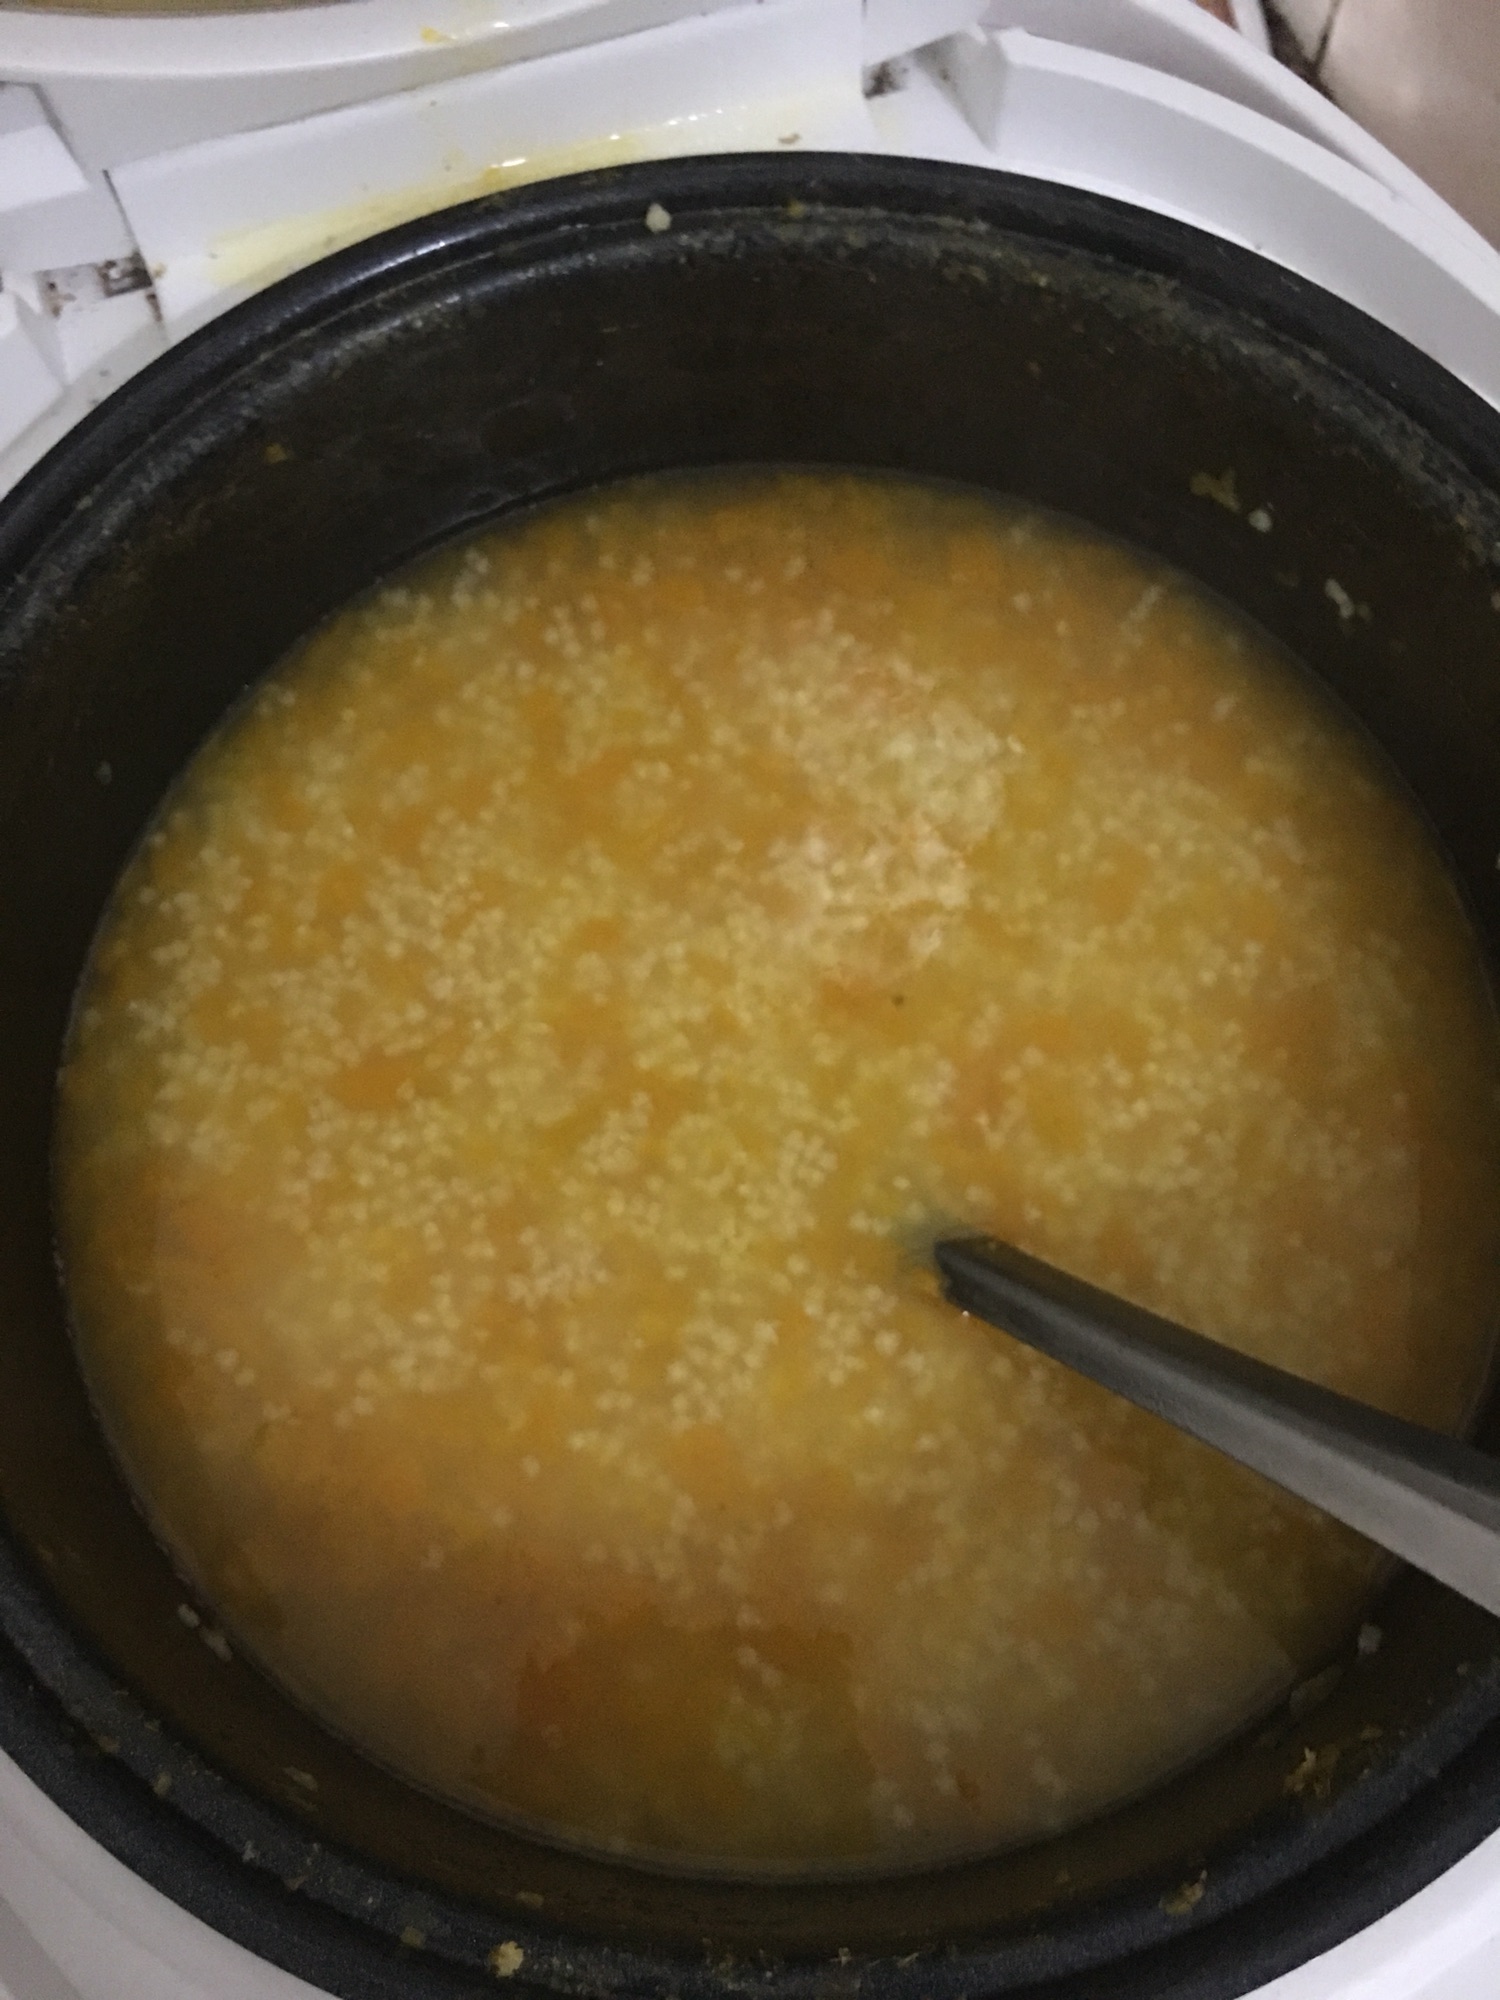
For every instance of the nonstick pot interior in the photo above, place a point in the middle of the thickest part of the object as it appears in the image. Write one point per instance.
(965, 325)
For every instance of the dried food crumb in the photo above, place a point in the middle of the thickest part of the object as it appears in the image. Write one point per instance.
(1220, 489)
(1313, 1775)
(1180, 1901)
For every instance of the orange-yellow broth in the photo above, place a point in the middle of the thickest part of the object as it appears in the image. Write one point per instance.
(517, 1067)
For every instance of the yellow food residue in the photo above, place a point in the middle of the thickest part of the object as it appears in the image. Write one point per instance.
(267, 251)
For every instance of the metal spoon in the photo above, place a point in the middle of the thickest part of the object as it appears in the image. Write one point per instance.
(1423, 1496)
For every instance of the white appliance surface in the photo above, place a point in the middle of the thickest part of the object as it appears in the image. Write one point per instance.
(153, 171)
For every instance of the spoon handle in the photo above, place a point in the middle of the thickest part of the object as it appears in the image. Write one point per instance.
(1422, 1495)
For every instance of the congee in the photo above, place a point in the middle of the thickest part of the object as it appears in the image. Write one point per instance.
(520, 1069)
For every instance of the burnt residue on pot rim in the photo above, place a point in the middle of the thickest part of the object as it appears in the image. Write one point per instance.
(930, 266)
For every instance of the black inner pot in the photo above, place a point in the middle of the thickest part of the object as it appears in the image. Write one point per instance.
(965, 325)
